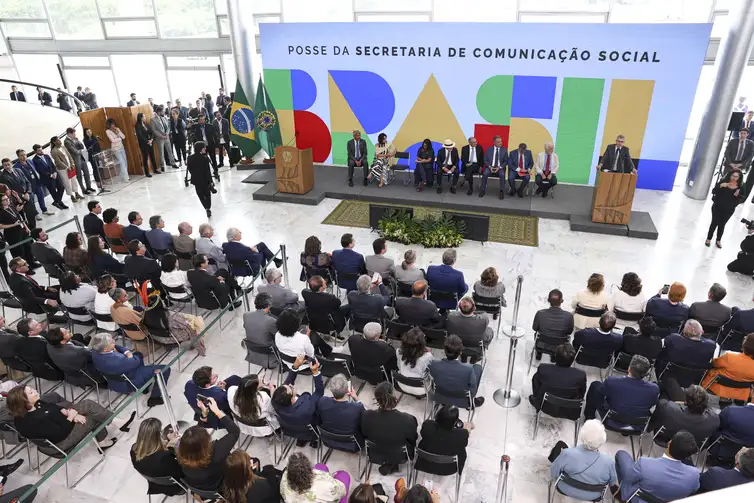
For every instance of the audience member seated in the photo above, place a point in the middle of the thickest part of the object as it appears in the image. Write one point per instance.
(445, 278)
(8, 341)
(388, 428)
(70, 354)
(416, 494)
(133, 231)
(203, 459)
(244, 482)
(322, 306)
(379, 263)
(341, 413)
(103, 302)
(712, 312)
(65, 424)
(184, 243)
(719, 478)
(207, 384)
(669, 313)
(257, 256)
(735, 423)
(470, 327)
(32, 347)
(413, 360)
(299, 410)
(113, 229)
(116, 360)
(251, 401)
(599, 342)
(444, 435)
(100, 262)
(93, 224)
(140, 267)
(33, 297)
(489, 285)
(162, 322)
(282, 297)
(645, 343)
(408, 272)
(208, 247)
(687, 350)
(173, 277)
(74, 254)
(594, 297)
(684, 409)
(302, 483)
(260, 327)
(630, 396)
(49, 257)
(348, 261)
(123, 314)
(561, 380)
(77, 295)
(417, 310)
(210, 289)
(628, 299)
(314, 261)
(368, 493)
(291, 342)
(553, 322)
(370, 352)
(581, 464)
(454, 376)
(153, 456)
(666, 478)
(742, 322)
(369, 302)
(736, 366)
(157, 238)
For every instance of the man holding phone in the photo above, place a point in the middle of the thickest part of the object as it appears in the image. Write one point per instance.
(205, 384)
(299, 410)
(341, 413)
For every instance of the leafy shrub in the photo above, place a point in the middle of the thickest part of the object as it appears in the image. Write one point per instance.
(430, 231)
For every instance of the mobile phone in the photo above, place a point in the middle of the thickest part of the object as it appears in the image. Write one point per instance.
(375, 277)
(665, 289)
(202, 399)
(350, 387)
(429, 485)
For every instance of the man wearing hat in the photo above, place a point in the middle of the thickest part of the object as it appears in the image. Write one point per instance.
(447, 164)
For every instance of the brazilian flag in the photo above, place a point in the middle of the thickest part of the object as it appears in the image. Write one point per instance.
(266, 124)
(242, 124)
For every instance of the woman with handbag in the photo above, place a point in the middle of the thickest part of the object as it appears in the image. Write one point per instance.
(66, 169)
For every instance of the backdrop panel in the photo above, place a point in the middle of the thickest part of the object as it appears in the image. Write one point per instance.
(577, 85)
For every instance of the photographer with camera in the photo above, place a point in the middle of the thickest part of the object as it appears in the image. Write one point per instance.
(198, 165)
(744, 262)
(725, 196)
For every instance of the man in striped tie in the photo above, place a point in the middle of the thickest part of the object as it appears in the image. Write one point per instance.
(546, 168)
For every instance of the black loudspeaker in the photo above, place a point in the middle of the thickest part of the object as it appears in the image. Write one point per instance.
(235, 154)
(376, 211)
(477, 226)
(736, 118)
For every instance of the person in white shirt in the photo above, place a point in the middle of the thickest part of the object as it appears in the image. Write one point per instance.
(592, 297)
(546, 168)
(293, 343)
(173, 277)
(628, 299)
(74, 294)
(250, 401)
(103, 301)
(116, 137)
(413, 360)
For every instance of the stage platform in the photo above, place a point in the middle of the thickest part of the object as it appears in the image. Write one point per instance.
(570, 202)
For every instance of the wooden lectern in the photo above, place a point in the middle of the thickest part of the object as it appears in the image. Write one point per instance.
(294, 170)
(613, 197)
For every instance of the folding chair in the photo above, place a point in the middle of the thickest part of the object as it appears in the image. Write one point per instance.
(185, 297)
(123, 378)
(403, 168)
(413, 382)
(294, 433)
(404, 289)
(553, 397)
(79, 311)
(373, 375)
(644, 496)
(461, 400)
(375, 455)
(544, 344)
(395, 330)
(261, 349)
(569, 481)
(204, 495)
(437, 459)
(94, 386)
(490, 305)
(335, 441)
(435, 337)
(52, 451)
(337, 364)
(594, 358)
(348, 276)
(686, 376)
(727, 382)
(162, 481)
(440, 296)
(627, 426)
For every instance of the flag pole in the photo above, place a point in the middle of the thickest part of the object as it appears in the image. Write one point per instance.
(243, 43)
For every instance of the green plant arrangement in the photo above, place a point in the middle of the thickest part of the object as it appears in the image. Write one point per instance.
(432, 232)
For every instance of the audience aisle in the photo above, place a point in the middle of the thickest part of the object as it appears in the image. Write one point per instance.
(563, 260)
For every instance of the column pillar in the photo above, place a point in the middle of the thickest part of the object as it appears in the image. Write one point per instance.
(243, 43)
(730, 62)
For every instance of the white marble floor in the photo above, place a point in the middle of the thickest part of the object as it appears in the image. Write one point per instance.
(563, 260)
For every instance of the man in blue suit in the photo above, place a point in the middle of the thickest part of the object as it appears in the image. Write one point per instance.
(603, 339)
(719, 478)
(742, 321)
(257, 256)
(520, 164)
(299, 410)
(204, 382)
(666, 478)
(348, 261)
(49, 176)
(629, 396)
(116, 360)
(495, 162)
(736, 424)
(25, 166)
(445, 278)
(455, 376)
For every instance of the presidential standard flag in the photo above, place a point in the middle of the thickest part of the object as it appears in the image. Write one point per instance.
(242, 124)
(266, 125)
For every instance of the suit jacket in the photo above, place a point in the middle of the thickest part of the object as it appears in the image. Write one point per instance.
(260, 328)
(369, 306)
(710, 313)
(736, 421)
(63, 102)
(731, 152)
(177, 131)
(368, 356)
(419, 312)
(144, 134)
(8, 343)
(209, 132)
(465, 155)
(45, 98)
(676, 417)
(90, 99)
(320, 305)
(282, 297)
(513, 160)
(48, 256)
(17, 96)
(303, 410)
(132, 103)
(29, 172)
(159, 239)
(380, 264)
(198, 165)
(446, 279)
(184, 244)
(211, 250)
(203, 284)
(16, 180)
(190, 390)
(62, 159)
(594, 340)
(686, 352)
(625, 164)
(553, 379)
(489, 156)
(131, 232)
(440, 159)
(390, 429)
(350, 261)
(455, 376)
(116, 362)
(45, 166)
(72, 357)
(142, 268)
(664, 478)
(351, 150)
(539, 166)
(28, 292)
(471, 329)
(438, 440)
(94, 226)
(630, 397)
(222, 129)
(719, 478)
(34, 350)
(237, 251)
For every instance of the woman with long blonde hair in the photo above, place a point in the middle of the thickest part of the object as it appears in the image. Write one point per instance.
(151, 456)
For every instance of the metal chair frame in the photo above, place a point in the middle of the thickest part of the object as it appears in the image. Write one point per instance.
(570, 403)
(344, 275)
(588, 352)
(628, 430)
(79, 311)
(123, 378)
(368, 468)
(393, 327)
(441, 460)
(553, 341)
(435, 337)
(87, 390)
(287, 441)
(466, 394)
(601, 488)
(727, 382)
(204, 495)
(163, 481)
(490, 305)
(329, 436)
(416, 382)
(188, 298)
(261, 349)
(670, 367)
(43, 442)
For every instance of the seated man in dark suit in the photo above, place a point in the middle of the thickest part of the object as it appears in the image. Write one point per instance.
(132, 230)
(50, 258)
(207, 384)
(141, 268)
(471, 327)
(445, 278)
(556, 379)
(33, 297)
(600, 340)
(370, 352)
(369, 302)
(341, 413)
(260, 327)
(8, 340)
(719, 478)
(688, 350)
(712, 312)
(455, 376)
(299, 410)
(32, 347)
(257, 256)
(417, 310)
(741, 321)
(680, 409)
(70, 356)
(348, 261)
(209, 289)
(554, 322)
(93, 224)
(735, 423)
(629, 396)
(321, 306)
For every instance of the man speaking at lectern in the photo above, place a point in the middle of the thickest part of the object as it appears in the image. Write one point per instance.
(617, 158)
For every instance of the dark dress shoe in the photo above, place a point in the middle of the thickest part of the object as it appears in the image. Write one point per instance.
(520, 193)
(6, 470)
(439, 190)
(350, 183)
(481, 193)
(209, 213)
(35, 265)
(470, 191)
(452, 190)
(127, 424)
(148, 175)
(544, 194)
(366, 182)
(501, 195)
(154, 401)
(511, 192)
(460, 185)
(278, 262)
(479, 401)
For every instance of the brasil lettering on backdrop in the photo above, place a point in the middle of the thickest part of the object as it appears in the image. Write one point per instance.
(561, 55)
